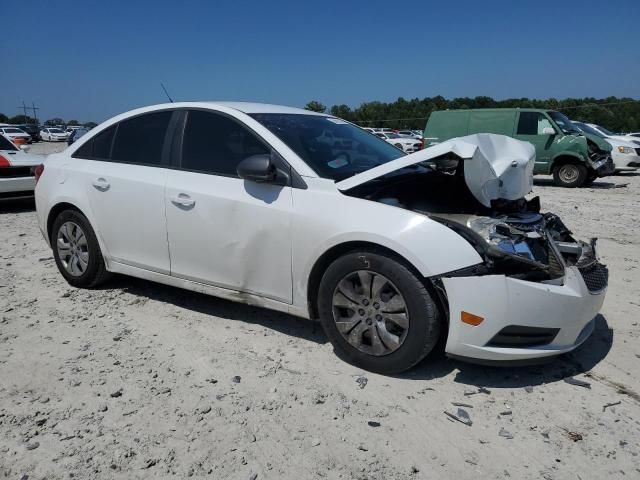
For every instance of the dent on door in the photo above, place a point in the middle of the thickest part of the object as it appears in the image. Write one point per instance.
(235, 236)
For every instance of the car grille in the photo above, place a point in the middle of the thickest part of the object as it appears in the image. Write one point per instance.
(16, 172)
(595, 276)
(518, 336)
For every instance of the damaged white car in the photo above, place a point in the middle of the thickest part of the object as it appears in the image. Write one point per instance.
(390, 251)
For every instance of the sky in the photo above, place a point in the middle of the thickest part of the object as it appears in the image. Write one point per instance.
(91, 60)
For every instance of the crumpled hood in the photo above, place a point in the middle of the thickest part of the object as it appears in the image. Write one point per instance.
(495, 166)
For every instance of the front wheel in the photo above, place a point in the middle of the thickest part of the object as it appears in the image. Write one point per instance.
(377, 313)
(570, 175)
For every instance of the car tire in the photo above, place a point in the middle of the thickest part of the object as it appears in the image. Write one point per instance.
(76, 250)
(569, 175)
(358, 339)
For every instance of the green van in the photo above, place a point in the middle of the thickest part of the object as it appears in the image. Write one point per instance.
(574, 158)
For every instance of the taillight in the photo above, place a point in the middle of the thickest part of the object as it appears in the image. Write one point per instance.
(38, 171)
(4, 162)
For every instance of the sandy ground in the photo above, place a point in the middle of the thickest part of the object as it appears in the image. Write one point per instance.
(137, 380)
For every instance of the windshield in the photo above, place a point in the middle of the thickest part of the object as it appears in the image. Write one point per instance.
(333, 148)
(55, 130)
(587, 129)
(564, 123)
(605, 131)
(12, 130)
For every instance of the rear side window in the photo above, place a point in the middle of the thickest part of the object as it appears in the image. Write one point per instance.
(214, 143)
(99, 147)
(140, 139)
(532, 123)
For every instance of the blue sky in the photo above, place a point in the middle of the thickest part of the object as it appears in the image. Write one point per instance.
(93, 59)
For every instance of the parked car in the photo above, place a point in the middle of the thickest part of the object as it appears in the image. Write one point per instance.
(16, 135)
(607, 134)
(53, 134)
(33, 130)
(410, 133)
(71, 128)
(406, 144)
(75, 134)
(626, 155)
(572, 157)
(390, 253)
(17, 169)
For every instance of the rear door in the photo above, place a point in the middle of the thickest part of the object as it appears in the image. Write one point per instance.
(223, 230)
(125, 174)
(529, 129)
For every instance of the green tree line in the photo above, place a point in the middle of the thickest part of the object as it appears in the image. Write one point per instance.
(613, 113)
(22, 119)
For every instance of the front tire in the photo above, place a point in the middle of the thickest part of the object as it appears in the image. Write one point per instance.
(76, 250)
(377, 313)
(570, 175)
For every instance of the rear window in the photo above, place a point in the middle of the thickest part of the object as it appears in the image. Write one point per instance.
(6, 144)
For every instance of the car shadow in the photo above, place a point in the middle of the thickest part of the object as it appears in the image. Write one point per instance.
(218, 307)
(581, 360)
(597, 184)
(17, 205)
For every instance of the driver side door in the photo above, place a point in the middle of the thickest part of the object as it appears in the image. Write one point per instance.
(530, 129)
(223, 230)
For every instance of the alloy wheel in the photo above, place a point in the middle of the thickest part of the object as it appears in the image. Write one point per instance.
(370, 312)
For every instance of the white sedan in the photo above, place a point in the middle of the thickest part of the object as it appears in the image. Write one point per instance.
(406, 144)
(390, 251)
(53, 134)
(14, 133)
(625, 154)
(17, 170)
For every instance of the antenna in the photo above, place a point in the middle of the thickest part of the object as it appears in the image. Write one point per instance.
(165, 92)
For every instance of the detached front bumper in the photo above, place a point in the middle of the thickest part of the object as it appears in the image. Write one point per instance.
(523, 320)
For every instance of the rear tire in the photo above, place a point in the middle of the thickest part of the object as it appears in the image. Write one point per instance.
(76, 250)
(570, 175)
(390, 325)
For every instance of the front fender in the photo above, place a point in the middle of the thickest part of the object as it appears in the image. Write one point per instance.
(326, 219)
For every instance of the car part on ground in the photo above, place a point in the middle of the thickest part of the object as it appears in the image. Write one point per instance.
(291, 210)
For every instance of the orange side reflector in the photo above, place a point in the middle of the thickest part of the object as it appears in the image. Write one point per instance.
(470, 318)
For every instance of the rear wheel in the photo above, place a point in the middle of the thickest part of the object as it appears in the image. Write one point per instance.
(569, 175)
(76, 250)
(377, 313)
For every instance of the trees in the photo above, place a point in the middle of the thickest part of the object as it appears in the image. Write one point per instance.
(4, 118)
(21, 119)
(315, 106)
(616, 114)
(73, 122)
(54, 121)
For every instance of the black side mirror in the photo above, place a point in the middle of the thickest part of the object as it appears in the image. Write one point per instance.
(260, 168)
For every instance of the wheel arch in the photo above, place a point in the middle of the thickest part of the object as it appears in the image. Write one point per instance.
(564, 158)
(56, 210)
(336, 251)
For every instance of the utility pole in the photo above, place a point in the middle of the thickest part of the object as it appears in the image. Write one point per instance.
(35, 115)
(24, 109)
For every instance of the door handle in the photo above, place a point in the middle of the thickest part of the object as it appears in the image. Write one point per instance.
(101, 184)
(183, 200)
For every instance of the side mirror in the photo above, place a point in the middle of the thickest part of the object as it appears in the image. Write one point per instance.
(548, 131)
(260, 169)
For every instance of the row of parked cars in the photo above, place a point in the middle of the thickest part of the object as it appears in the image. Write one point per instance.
(25, 134)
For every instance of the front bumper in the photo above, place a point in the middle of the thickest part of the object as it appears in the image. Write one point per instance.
(568, 310)
(604, 166)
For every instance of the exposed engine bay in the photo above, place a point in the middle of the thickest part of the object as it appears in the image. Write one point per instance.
(512, 236)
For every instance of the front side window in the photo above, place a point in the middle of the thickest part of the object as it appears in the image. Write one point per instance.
(351, 151)
(214, 143)
(140, 139)
(532, 123)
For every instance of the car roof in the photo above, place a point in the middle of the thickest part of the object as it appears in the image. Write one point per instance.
(244, 107)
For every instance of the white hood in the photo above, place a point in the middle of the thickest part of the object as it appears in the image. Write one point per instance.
(496, 166)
